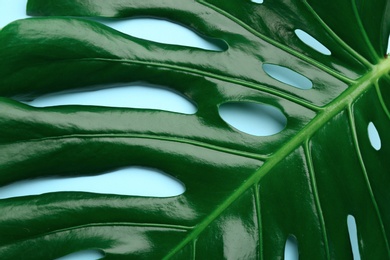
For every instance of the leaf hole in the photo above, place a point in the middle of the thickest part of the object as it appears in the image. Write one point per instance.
(374, 137)
(257, 1)
(312, 42)
(253, 118)
(136, 96)
(291, 249)
(84, 255)
(352, 230)
(11, 11)
(287, 76)
(162, 31)
(388, 45)
(131, 181)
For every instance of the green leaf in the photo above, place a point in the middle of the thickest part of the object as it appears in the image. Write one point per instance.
(245, 195)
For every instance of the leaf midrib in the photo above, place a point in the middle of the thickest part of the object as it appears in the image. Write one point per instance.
(332, 109)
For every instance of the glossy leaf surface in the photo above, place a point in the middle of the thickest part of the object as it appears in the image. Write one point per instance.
(245, 195)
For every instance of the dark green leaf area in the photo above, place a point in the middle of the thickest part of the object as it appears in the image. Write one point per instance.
(151, 243)
(384, 93)
(363, 25)
(278, 21)
(289, 206)
(334, 173)
(376, 163)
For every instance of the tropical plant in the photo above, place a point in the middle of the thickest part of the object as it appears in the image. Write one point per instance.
(245, 195)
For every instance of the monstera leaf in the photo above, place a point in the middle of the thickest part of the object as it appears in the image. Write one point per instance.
(245, 195)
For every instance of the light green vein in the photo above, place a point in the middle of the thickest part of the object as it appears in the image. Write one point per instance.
(194, 250)
(337, 38)
(279, 45)
(364, 32)
(316, 196)
(332, 109)
(258, 212)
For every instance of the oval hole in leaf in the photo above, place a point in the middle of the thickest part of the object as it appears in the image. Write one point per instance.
(131, 181)
(163, 31)
(287, 76)
(353, 237)
(253, 118)
(140, 96)
(257, 1)
(374, 137)
(312, 42)
(388, 45)
(84, 255)
(291, 249)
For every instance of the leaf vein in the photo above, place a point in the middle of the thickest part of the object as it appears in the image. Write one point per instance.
(313, 183)
(332, 109)
(279, 45)
(363, 30)
(352, 124)
(337, 38)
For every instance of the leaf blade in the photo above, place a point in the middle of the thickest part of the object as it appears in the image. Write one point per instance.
(311, 119)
